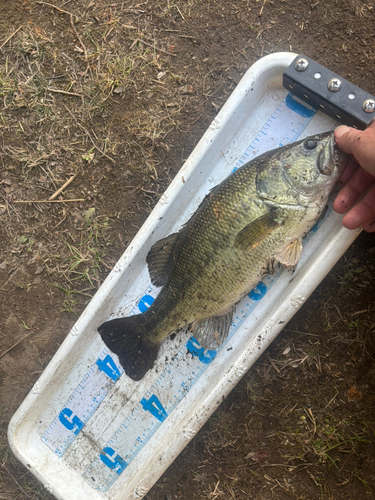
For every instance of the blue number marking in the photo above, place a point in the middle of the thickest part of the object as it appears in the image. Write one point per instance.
(194, 347)
(258, 292)
(108, 366)
(74, 424)
(145, 302)
(154, 406)
(116, 463)
(299, 107)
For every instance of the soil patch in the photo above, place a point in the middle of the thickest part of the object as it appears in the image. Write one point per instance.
(114, 96)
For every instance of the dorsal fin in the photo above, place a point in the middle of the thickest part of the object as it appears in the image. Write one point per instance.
(158, 258)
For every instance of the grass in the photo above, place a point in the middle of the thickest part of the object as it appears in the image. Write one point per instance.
(8, 83)
(54, 97)
(82, 266)
(325, 440)
(99, 72)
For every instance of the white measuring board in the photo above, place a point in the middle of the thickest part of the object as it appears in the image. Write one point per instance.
(154, 407)
(91, 432)
(83, 402)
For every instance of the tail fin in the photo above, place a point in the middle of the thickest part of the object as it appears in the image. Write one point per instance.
(125, 337)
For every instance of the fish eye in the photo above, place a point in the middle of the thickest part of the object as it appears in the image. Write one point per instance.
(310, 145)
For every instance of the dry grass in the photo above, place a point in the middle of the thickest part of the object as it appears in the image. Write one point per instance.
(63, 91)
(55, 123)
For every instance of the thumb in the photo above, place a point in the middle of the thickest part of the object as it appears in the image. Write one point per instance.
(346, 137)
(359, 143)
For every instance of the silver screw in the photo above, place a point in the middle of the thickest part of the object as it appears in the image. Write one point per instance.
(301, 64)
(368, 106)
(334, 85)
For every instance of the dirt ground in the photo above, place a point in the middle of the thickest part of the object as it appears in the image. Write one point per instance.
(114, 95)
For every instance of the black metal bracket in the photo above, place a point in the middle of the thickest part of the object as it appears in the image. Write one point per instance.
(333, 95)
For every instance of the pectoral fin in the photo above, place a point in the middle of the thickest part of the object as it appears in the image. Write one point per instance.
(212, 332)
(258, 230)
(158, 258)
(291, 253)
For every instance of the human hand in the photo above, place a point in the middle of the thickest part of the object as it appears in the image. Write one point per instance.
(357, 177)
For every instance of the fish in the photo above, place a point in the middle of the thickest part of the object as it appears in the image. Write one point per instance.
(254, 218)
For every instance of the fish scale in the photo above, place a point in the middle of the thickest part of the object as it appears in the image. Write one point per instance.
(212, 231)
(209, 233)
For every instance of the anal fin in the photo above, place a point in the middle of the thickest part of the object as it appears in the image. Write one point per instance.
(212, 332)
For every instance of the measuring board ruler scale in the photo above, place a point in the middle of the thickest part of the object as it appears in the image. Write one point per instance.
(186, 366)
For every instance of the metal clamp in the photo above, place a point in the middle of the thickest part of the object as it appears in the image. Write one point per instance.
(324, 90)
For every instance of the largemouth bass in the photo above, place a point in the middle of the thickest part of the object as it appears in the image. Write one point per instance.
(256, 216)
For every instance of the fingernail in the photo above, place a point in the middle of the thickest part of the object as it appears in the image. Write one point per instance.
(341, 130)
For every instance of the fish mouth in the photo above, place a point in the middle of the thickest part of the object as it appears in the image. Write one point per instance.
(336, 153)
(329, 157)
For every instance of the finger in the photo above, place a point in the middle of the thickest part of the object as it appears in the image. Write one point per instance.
(353, 190)
(345, 136)
(369, 225)
(363, 213)
(345, 200)
(359, 143)
(348, 171)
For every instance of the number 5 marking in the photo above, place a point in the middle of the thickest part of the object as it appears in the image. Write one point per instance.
(116, 463)
(194, 347)
(74, 423)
